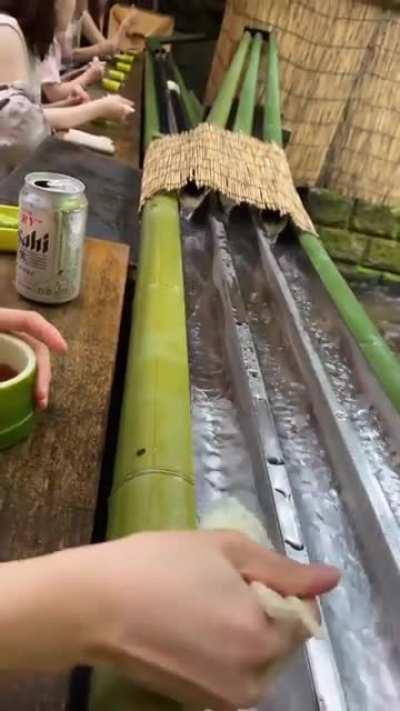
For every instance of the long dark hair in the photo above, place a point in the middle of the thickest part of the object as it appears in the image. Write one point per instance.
(37, 19)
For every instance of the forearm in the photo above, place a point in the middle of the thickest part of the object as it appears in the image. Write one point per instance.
(82, 80)
(46, 614)
(74, 73)
(74, 116)
(86, 54)
(55, 92)
(90, 29)
(63, 103)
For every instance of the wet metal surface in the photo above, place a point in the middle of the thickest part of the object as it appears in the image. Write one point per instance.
(327, 338)
(357, 619)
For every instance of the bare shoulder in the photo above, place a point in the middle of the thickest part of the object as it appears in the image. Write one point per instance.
(13, 66)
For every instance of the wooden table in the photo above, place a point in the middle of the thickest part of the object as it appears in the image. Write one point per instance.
(127, 137)
(49, 485)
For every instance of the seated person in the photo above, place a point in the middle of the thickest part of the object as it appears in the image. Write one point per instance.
(54, 89)
(25, 39)
(98, 45)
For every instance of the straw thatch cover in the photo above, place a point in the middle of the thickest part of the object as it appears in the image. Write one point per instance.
(241, 168)
(340, 76)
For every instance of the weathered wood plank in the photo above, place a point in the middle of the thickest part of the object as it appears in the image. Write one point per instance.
(126, 136)
(48, 486)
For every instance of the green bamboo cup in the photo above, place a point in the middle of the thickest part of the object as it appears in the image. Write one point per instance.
(115, 75)
(17, 379)
(123, 67)
(111, 85)
(9, 223)
(126, 58)
(8, 239)
(9, 216)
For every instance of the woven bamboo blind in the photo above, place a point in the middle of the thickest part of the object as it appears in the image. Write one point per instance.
(241, 168)
(340, 76)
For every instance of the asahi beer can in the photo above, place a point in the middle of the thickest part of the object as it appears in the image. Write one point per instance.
(53, 216)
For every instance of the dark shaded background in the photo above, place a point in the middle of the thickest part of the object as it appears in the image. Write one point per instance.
(202, 16)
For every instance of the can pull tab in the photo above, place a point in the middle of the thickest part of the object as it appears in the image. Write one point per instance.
(42, 183)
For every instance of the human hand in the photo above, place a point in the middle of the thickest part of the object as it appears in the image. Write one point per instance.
(96, 71)
(116, 108)
(78, 96)
(42, 337)
(109, 47)
(127, 26)
(174, 611)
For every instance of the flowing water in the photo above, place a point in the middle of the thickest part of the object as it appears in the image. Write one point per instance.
(357, 620)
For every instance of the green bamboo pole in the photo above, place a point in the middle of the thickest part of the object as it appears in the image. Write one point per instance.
(155, 429)
(153, 485)
(198, 106)
(272, 114)
(152, 118)
(382, 361)
(194, 115)
(248, 95)
(222, 105)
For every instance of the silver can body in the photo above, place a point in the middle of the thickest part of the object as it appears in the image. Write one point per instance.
(53, 216)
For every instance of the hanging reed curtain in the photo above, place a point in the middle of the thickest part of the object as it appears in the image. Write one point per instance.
(340, 77)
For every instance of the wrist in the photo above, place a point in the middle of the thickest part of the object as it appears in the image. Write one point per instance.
(45, 619)
(102, 639)
(96, 108)
(88, 595)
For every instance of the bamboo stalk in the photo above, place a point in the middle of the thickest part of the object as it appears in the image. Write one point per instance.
(383, 362)
(272, 114)
(171, 498)
(193, 115)
(198, 106)
(222, 105)
(155, 429)
(153, 485)
(247, 101)
(117, 693)
(152, 118)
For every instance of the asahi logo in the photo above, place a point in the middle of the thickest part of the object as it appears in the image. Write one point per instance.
(28, 235)
(31, 241)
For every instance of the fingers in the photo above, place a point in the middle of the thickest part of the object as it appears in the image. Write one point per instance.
(127, 108)
(290, 578)
(33, 324)
(42, 336)
(73, 100)
(127, 102)
(84, 96)
(79, 96)
(276, 572)
(43, 378)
